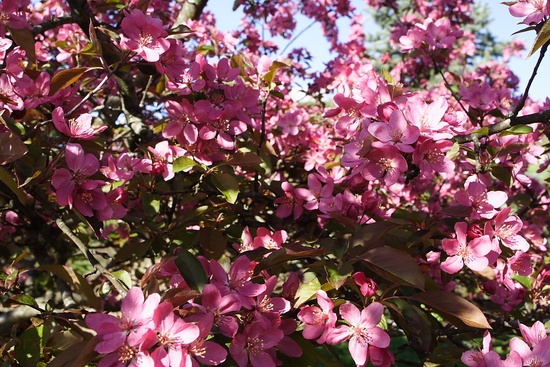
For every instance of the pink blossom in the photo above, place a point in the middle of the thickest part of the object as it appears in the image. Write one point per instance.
(172, 335)
(476, 358)
(124, 167)
(163, 159)
(397, 132)
(482, 202)
(431, 158)
(362, 332)
(533, 10)
(315, 192)
(538, 356)
(367, 286)
(290, 203)
(319, 321)
(79, 128)
(461, 252)
(205, 351)
(385, 164)
(269, 240)
(254, 345)
(131, 328)
(144, 35)
(505, 229)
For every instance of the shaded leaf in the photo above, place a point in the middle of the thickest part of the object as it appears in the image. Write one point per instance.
(75, 281)
(227, 185)
(78, 355)
(370, 235)
(22, 299)
(30, 345)
(8, 180)
(543, 36)
(65, 78)
(454, 308)
(244, 159)
(11, 147)
(337, 276)
(191, 269)
(395, 265)
(212, 242)
(24, 38)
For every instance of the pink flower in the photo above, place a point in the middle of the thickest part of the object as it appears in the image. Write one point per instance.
(397, 132)
(206, 351)
(79, 128)
(131, 328)
(362, 332)
(172, 334)
(271, 241)
(367, 285)
(73, 188)
(431, 158)
(472, 254)
(163, 157)
(315, 192)
(144, 35)
(483, 203)
(318, 321)
(254, 345)
(505, 229)
(290, 203)
(385, 164)
(475, 358)
(533, 10)
(538, 356)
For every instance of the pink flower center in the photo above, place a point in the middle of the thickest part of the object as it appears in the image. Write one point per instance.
(254, 346)
(126, 353)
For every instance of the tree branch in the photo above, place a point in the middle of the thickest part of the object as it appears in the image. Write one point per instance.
(543, 117)
(191, 9)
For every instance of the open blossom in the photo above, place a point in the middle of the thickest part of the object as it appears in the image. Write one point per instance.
(79, 128)
(319, 321)
(397, 132)
(163, 159)
(504, 228)
(361, 332)
(290, 203)
(144, 35)
(533, 10)
(483, 203)
(385, 164)
(253, 345)
(461, 252)
(131, 329)
(73, 186)
(431, 158)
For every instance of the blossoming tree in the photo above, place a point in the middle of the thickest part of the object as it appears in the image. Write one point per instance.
(165, 201)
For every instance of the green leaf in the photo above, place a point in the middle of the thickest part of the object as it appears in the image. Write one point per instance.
(484, 131)
(543, 36)
(150, 204)
(227, 185)
(337, 276)
(307, 290)
(8, 180)
(183, 164)
(395, 265)
(501, 173)
(518, 130)
(191, 270)
(454, 308)
(124, 277)
(23, 299)
(29, 349)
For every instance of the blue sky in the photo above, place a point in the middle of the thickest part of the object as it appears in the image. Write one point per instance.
(502, 26)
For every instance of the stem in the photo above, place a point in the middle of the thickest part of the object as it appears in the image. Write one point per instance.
(521, 104)
(296, 37)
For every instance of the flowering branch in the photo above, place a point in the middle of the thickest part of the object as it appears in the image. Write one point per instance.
(543, 117)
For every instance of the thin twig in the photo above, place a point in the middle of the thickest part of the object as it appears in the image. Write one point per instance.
(543, 117)
(296, 37)
(521, 104)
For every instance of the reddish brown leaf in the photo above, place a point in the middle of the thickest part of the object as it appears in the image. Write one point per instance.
(454, 308)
